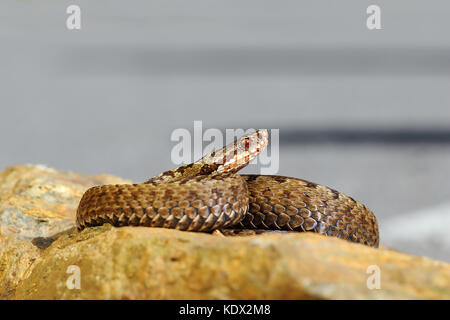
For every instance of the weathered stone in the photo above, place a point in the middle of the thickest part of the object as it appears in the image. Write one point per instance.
(17, 259)
(154, 263)
(38, 201)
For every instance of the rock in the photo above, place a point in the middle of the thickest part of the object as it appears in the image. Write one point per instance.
(16, 262)
(155, 263)
(39, 201)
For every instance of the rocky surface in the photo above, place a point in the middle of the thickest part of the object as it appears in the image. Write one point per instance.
(39, 251)
(39, 201)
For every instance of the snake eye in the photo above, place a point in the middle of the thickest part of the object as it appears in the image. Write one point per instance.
(246, 143)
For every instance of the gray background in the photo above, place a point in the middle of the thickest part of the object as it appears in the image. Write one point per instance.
(366, 112)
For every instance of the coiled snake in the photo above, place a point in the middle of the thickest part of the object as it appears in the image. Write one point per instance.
(209, 195)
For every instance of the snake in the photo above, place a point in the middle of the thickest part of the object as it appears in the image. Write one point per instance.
(209, 195)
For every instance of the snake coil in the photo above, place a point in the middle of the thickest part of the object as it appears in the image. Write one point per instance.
(208, 194)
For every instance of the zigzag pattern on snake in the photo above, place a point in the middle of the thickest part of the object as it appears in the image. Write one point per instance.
(209, 195)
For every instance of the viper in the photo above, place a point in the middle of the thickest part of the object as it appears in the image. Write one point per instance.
(210, 195)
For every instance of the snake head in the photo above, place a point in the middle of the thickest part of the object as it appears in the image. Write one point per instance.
(238, 154)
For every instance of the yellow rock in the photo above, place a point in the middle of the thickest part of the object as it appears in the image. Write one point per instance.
(39, 201)
(17, 259)
(155, 263)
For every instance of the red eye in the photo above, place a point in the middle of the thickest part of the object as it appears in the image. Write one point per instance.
(246, 143)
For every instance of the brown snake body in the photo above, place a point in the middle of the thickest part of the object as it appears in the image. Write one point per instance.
(209, 195)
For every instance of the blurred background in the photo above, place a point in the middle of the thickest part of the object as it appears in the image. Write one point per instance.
(364, 111)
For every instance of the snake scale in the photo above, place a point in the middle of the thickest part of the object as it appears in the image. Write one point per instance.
(209, 194)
